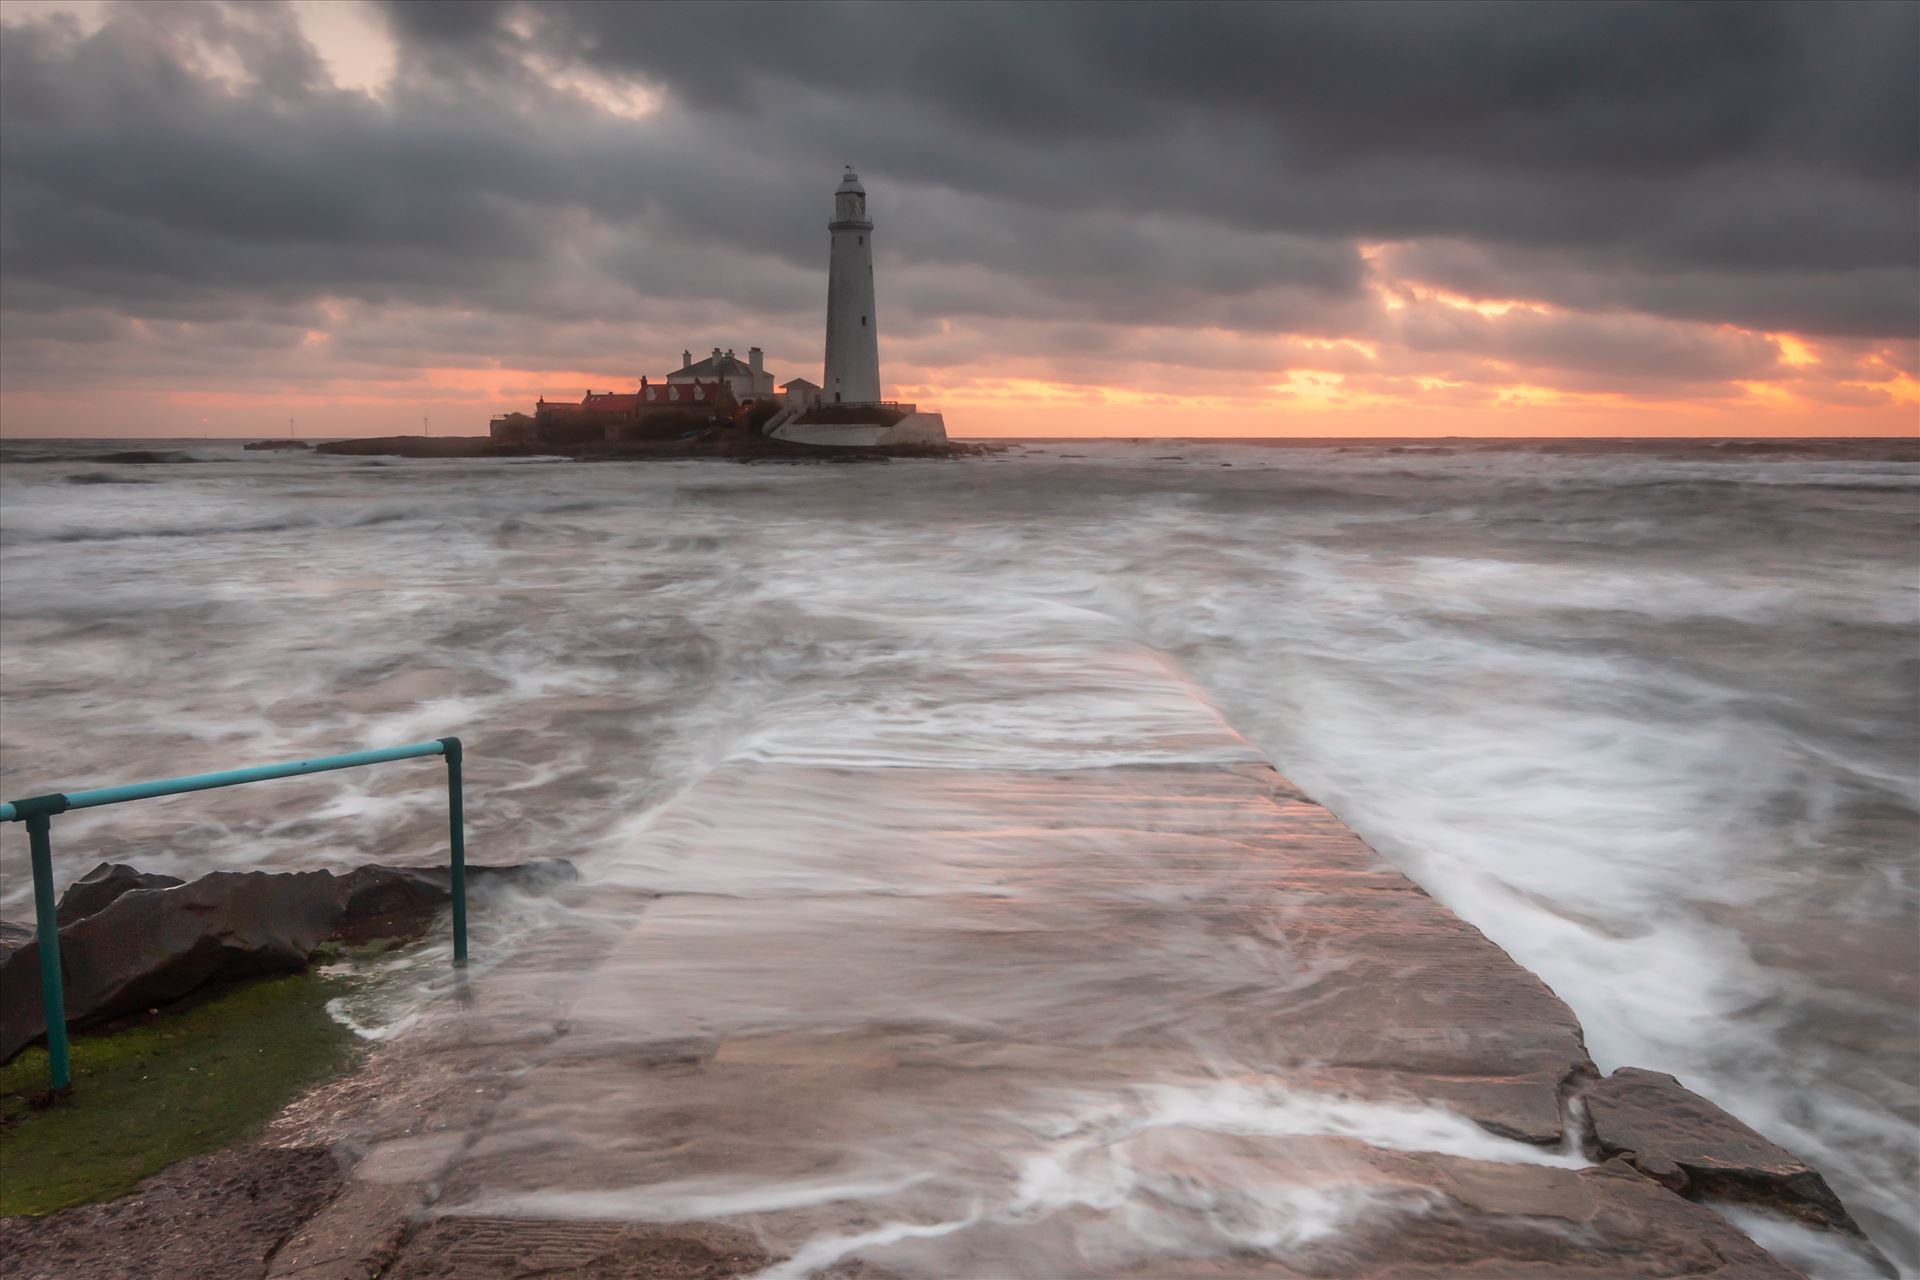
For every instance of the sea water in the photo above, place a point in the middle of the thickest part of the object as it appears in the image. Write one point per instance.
(1648, 715)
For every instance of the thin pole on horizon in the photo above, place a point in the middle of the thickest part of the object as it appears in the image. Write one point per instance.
(289, 428)
(426, 427)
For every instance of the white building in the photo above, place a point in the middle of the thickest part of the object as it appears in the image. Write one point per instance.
(801, 394)
(848, 411)
(853, 331)
(749, 379)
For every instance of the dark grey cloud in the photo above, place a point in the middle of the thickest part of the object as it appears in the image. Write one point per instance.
(1607, 349)
(1872, 301)
(1036, 169)
(1625, 88)
(1766, 135)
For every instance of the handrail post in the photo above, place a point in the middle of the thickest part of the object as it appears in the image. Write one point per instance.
(53, 995)
(457, 837)
(38, 812)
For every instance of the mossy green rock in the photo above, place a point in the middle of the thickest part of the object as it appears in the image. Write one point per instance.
(144, 1096)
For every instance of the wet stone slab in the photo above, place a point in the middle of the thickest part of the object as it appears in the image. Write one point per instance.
(1142, 1020)
(1674, 1136)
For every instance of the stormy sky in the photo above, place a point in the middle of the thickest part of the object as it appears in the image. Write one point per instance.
(1132, 219)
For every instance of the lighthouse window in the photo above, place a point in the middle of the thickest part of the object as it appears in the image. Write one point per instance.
(863, 239)
(863, 322)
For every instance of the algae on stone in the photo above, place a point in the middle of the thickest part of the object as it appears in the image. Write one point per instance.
(149, 1094)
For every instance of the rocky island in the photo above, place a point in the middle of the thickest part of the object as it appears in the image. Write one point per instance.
(708, 441)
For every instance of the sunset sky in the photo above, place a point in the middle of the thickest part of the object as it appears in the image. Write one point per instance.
(1364, 219)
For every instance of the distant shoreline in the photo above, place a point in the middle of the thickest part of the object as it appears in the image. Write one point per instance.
(1309, 442)
(727, 446)
(739, 447)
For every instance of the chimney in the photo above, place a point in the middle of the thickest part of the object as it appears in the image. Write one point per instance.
(716, 354)
(686, 358)
(643, 381)
(756, 362)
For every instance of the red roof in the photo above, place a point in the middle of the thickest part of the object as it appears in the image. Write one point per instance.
(658, 395)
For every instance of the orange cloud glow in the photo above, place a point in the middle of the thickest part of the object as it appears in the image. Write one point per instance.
(1441, 364)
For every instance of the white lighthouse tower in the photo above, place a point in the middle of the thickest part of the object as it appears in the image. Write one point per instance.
(853, 336)
(853, 352)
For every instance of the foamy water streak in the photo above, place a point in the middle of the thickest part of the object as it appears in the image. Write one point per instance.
(1646, 717)
(1075, 1182)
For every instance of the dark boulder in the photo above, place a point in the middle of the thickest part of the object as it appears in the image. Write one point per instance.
(410, 446)
(388, 902)
(272, 446)
(92, 892)
(398, 902)
(152, 946)
(12, 938)
(1679, 1139)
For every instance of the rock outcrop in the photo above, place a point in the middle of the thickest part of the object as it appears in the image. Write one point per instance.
(410, 446)
(96, 890)
(1686, 1143)
(142, 456)
(398, 902)
(12, 938)
(151, 944)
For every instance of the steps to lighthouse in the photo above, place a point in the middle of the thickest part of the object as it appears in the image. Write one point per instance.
(913, 429)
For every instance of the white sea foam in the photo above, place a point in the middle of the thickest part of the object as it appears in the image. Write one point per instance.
(1085, 1179)
(824, 1251)
(1265, 1107)
(694, 1199)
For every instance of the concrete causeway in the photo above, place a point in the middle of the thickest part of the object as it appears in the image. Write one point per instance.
(1148, 1013)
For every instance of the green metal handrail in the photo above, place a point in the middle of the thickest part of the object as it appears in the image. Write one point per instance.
(38, 812)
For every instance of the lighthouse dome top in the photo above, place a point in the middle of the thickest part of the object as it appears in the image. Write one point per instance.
(850, 206)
